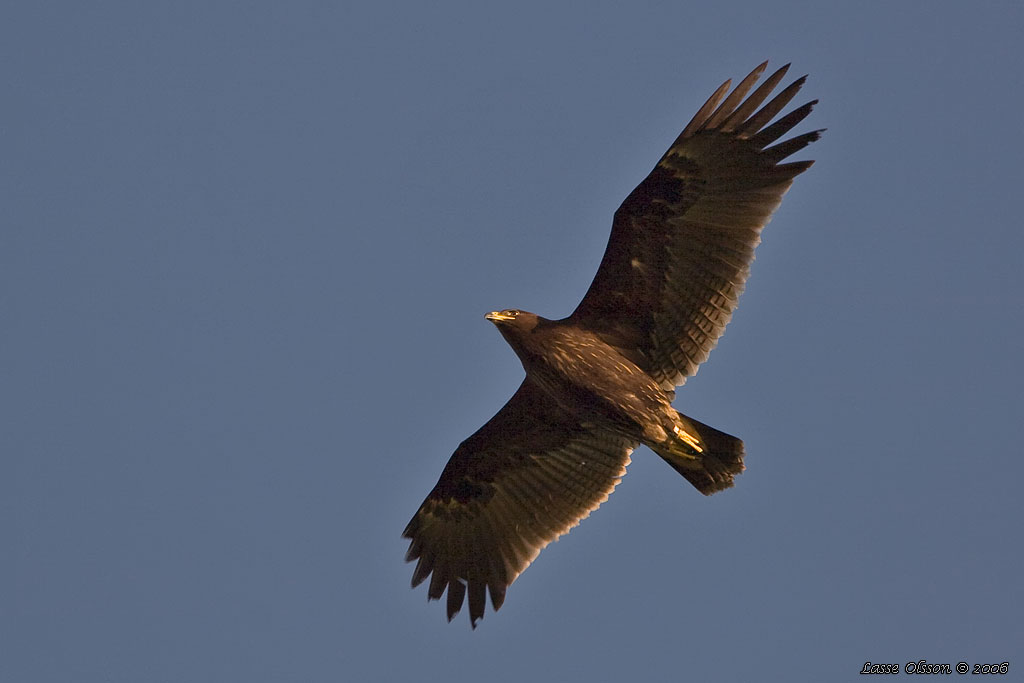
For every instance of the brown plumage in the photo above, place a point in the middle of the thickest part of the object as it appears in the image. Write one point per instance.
(600, 382)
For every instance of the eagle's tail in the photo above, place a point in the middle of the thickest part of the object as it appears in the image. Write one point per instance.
(708, 458)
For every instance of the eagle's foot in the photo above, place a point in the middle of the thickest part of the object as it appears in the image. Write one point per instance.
(690, 439)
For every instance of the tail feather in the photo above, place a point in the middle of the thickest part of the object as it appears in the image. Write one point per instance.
(712, 466)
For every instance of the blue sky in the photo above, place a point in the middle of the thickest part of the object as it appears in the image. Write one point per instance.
(245, 255)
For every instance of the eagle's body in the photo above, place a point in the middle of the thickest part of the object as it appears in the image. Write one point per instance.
(587, 377)
(601, 381)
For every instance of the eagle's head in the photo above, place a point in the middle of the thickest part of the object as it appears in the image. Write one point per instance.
(513, 321)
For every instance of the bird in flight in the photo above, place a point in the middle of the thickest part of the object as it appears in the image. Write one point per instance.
(601, 381)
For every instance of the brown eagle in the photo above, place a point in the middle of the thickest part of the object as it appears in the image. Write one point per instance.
(601, 381)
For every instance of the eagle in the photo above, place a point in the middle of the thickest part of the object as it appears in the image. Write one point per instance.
(601, 381)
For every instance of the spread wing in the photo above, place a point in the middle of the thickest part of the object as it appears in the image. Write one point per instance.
(525, 478)
(682, 242)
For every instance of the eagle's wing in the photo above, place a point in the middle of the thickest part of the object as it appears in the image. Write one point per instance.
(683, 240)
(525, 478)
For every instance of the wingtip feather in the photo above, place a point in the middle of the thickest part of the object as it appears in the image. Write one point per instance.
(749, 105)
(735, 97)
(774, 106)
(456, 594)
(705, 111)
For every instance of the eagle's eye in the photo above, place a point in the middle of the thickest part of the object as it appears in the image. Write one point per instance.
(510, 311)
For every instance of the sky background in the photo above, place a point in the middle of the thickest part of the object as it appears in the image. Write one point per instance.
(245, 254)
